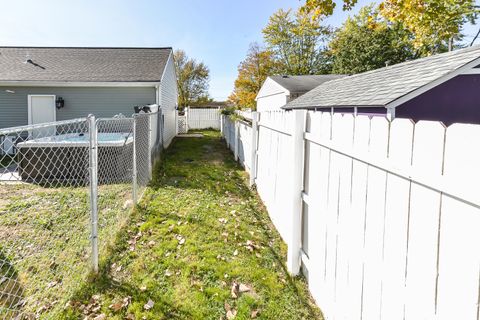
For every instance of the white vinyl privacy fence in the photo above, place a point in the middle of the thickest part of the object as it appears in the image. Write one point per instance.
(198, 118)
(382, 217)
(66, 189)
(238, 136)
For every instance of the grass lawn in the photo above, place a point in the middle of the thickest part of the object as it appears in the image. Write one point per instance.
(200, 245)
(45, 247)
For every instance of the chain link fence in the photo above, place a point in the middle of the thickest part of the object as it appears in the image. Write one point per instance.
(66, 189)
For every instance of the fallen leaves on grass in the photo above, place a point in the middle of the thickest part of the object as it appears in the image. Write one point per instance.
(43, 308)
(133, 241)
(234, 290)
(238, 288)
(250, 246)
(149, 305)
(230, 313)
(90, 310)
(120, 304)
(243, 288)
(151, 243)
(255, 314)
(180, 239)
(223, 220)
(127, 204)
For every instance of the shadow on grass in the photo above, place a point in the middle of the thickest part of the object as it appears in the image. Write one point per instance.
(11, 290)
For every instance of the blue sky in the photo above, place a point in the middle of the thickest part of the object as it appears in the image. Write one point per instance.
(217, 32)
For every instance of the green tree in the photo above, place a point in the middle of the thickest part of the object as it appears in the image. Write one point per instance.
(433, 23)
(192, 80)
(319, 8)
(252, 72)
(366, 42)
(296, 39)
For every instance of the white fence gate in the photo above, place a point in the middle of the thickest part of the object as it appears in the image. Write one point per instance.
(182, 124)
(382, 217)
(199, 118)
(204, 118)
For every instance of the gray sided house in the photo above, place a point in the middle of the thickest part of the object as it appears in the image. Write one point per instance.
(443, 87)
(42, 84)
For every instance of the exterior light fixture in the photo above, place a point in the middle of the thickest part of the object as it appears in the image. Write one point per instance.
(59, 103)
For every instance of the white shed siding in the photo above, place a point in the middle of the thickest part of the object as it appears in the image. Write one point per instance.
(270, 87)
(272, 102)
(271, 96)
(168, 100)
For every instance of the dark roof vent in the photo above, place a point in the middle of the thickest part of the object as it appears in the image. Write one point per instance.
(34, 64)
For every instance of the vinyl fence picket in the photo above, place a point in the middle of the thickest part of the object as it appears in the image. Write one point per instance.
(332, 217)
(429, 140)
(358, 204)
(376, 191)
(345, 140)
(396, 222)
(459, 260)
(318, 184)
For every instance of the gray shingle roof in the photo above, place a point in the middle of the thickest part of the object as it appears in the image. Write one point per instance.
(385, 85)
(305, 83)
(83, 64)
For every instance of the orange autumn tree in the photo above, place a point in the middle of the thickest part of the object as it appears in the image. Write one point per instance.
(252, 72)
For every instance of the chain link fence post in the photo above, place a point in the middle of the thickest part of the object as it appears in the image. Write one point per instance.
(93, 170)
(150, 146)
(134, 159)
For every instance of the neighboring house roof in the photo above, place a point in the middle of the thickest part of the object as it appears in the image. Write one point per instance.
(305, 83)
(75, 64)
(390, 86)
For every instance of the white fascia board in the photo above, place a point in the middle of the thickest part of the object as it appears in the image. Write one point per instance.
(409, 96)
(286, 93)
(472, 71)
(76, 84)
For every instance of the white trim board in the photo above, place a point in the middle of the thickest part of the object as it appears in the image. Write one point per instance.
(472, 71)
